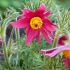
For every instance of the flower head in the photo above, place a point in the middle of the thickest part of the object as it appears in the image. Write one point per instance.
(65, 49)
(54, 51)
(36, 22)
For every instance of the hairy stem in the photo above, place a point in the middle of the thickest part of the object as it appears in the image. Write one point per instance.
(56, 39)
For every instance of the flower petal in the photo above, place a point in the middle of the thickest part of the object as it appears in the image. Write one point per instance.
(38, 37)
(48, 13)
(51, 34)
(21, 23)
(45, 34)
(54, 51)
(49, 25)
(28, 13)
(66, 62)
(41, 9)
(30, 35)
(45, 51)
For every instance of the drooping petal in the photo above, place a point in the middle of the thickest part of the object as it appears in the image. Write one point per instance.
(38, 37)
(45, 34)
(30, 35)
(21, 23)
(54, 51)
(49, 25)
(48, 13)
(51, 34)
(45, 51)
(66, 62)
(41, 9)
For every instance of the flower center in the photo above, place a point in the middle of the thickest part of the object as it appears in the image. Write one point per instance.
(66, 53)
(36, 23)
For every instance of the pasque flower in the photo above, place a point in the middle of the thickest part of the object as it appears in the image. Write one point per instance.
(65, 49)
(36, 22)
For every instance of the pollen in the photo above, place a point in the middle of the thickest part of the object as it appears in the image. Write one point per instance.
(66, 53)
(36, 23)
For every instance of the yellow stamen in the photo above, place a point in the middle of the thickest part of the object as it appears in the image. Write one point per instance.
(66, 53)
(36, 23)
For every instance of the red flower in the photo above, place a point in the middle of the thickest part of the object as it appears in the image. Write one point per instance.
(61, 47)
(36, 22)
(54, 51)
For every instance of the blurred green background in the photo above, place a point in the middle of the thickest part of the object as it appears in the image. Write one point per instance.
(18, 4)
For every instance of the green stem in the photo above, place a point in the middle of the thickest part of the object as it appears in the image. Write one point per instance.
(6, 56)
(9, 43)
(54, 45)
(55, 39)
(5, 49)
(17, 36)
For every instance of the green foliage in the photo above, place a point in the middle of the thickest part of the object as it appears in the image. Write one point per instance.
(17, 4)
(64, 22)
(19, 56)
(63, 3)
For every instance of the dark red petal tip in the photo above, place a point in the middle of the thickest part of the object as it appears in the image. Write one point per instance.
(66, 62)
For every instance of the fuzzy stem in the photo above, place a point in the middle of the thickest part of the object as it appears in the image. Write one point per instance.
(54, 45)
(56, 39)
(6, 56)
(4, 48)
